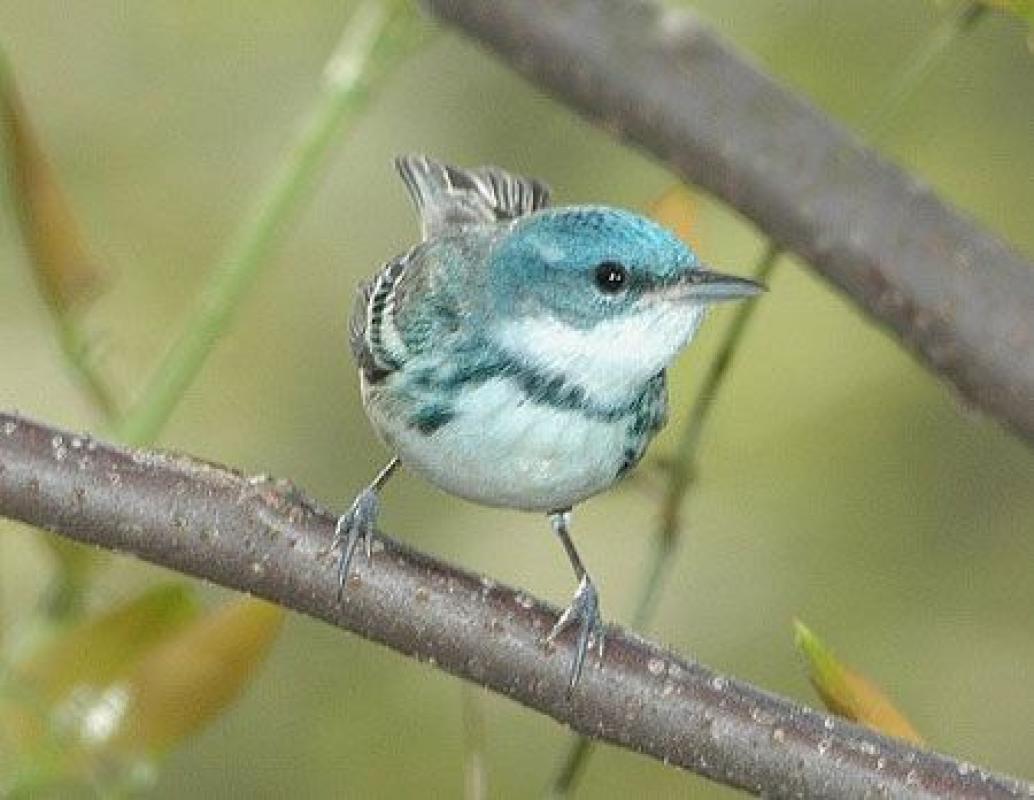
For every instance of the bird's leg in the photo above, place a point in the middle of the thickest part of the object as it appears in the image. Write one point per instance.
(584, 610)
(359, 522)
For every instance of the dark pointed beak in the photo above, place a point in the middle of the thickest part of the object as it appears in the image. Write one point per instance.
(706, 286)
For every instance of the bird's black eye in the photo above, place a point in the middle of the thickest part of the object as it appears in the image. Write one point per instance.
(611, 277)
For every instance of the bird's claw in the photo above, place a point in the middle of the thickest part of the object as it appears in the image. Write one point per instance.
(583, 612)
(357, 523)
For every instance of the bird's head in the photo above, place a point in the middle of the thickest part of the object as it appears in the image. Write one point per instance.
(605, 295)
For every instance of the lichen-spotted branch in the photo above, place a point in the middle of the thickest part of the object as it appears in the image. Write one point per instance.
(262, 536)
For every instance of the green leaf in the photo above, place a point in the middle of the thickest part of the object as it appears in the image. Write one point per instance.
(849, 694)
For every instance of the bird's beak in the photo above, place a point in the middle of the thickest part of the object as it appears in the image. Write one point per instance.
(706, 286)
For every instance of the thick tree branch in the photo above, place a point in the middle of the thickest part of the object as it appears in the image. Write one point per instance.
(261, 536)
(952, 291)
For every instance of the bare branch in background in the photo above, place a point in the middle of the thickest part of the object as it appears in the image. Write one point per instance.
(951, 290)
(260, 536)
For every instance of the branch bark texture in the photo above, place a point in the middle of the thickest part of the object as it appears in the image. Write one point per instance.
(952, 291)
(262, 536)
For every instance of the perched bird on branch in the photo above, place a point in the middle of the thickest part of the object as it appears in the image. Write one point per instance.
(516, 357)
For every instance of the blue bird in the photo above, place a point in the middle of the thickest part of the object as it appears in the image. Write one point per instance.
(516, 356)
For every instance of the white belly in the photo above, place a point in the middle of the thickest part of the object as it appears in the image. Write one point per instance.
(501, 450)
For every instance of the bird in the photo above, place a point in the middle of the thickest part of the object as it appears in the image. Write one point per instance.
(516, 356)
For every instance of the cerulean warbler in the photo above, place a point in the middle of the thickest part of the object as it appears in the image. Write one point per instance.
(516, 357)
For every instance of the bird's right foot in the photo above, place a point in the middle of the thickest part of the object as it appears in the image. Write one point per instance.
(357, 523)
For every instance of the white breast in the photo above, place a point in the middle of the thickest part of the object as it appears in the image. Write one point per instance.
(612, 358)
(502, 450)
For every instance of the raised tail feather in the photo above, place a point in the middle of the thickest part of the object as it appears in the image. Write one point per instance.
(447, 197)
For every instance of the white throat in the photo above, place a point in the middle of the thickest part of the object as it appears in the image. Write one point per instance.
(612, 358)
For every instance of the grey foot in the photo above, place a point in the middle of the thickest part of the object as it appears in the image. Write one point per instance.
(358, 523)
(584, 612)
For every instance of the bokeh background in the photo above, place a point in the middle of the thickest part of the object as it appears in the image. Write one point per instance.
(839, 483)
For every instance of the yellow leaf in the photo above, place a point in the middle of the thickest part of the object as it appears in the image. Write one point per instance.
(67, 276)
(189, 680)
(676, 210)
(849, 694)
(51, 690)
(113, 693)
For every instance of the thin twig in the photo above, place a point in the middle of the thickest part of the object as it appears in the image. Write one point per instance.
(366, 45)
(683, 464)
(264, 537)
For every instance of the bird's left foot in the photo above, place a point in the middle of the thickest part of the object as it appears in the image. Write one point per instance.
(584, 612)
(359, 523)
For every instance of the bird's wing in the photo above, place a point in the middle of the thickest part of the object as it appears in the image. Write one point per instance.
(372, 334)
(447, 197)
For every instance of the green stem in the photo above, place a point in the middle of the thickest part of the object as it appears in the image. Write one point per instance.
(955, 22)
(960, 19)
(80, 355)
(363, 49)
(475, 776)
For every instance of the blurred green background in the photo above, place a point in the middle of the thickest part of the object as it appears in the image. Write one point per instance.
(839, 482)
